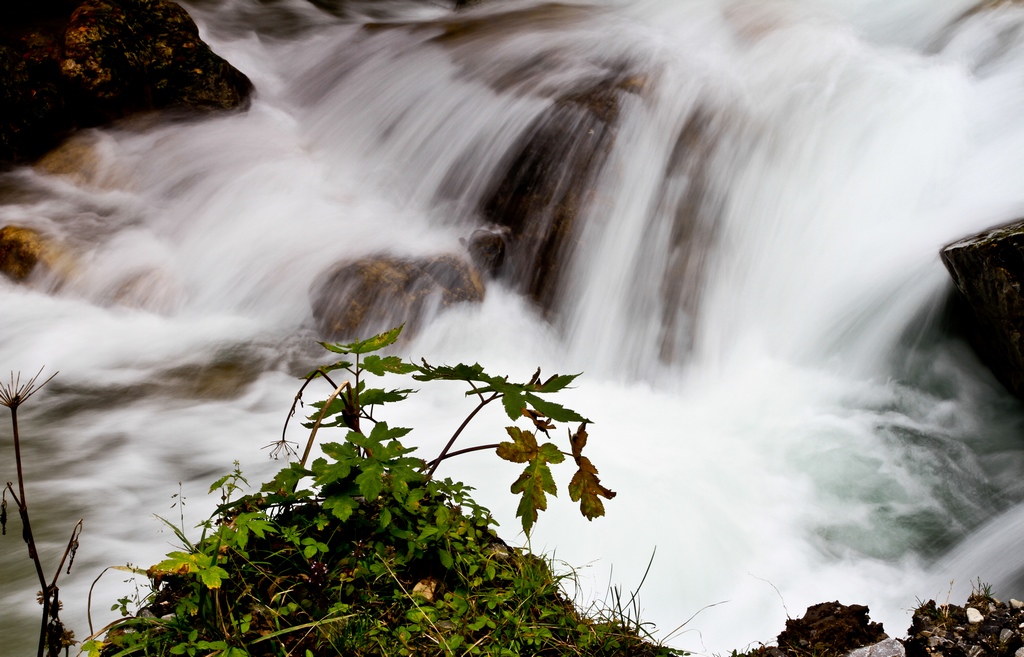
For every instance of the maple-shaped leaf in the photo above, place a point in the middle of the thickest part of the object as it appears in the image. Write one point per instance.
(532, 484)
(523, 447)
(379, 365)
(341, 506)
(536, 478)
(586, 489)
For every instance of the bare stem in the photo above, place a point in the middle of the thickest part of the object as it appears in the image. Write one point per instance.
(451, 441)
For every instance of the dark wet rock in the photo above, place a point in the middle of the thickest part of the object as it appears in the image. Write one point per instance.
(140, 54)
(549, 181)
(20, 251)
(828, 628)
(377, 293)
(988, 271)
(77, 65)
(33, 110)
(486, 247)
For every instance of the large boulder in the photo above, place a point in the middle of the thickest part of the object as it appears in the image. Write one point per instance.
(988, 271)
(78, 65)
(139, 54)
(380, 292)
(33, 109)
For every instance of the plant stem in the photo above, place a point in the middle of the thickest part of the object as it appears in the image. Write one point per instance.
(451, 441)
(29, 539)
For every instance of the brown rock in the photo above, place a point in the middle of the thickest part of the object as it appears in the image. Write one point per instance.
(377, 293)
(20, 251)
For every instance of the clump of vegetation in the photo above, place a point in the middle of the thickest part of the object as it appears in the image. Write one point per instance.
(364, 552)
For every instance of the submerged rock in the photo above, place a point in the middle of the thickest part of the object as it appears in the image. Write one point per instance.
(988, 271)
(377, 293)
(550, 180)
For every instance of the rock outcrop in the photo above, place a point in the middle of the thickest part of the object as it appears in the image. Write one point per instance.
(73, 66)
(988, 271)
(378, 293)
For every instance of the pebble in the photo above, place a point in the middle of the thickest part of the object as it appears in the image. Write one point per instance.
(974, 616)
(1019, 653)
(1005, 635)
(1016, 604)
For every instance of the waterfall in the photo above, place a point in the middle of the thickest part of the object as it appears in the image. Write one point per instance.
(748, 201)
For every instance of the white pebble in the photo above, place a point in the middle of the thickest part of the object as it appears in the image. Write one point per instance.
(974, 616)
(1016, 604)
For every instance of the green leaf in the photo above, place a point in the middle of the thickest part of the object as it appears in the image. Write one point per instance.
(557, 382)
(341, 506)
(514, 403)
(446, 559)
(556, 412)
(460, 372)
(375, 396)
(535, 481)
(377, 342)
(327, 473)
(371, 480)
(192, 563)
(388, 364)
(213, 576)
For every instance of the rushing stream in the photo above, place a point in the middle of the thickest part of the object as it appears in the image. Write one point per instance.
(777, 396)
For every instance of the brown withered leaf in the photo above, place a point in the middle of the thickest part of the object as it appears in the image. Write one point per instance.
(578, 441)
(586, 489)
(540, 421)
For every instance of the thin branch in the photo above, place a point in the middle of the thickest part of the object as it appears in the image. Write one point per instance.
(455, 436)
(478, 448)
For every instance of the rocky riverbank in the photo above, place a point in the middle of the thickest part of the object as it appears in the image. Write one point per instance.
(983, 627)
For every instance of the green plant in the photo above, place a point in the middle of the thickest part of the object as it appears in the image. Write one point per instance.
(53, 636)
(363, 551)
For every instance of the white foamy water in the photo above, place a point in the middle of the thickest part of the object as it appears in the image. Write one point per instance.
(777, 401)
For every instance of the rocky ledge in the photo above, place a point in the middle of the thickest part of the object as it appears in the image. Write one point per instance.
(984, 627)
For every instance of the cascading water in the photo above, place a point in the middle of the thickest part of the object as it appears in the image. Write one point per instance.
(751, 286)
